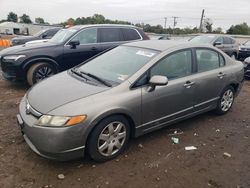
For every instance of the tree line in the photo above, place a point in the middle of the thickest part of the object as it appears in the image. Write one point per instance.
(207, 27)
(13, 17)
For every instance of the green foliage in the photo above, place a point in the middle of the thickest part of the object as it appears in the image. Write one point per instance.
(25, 19)
(240, 29)
(12, 17)
(39, 20)
(95, 19)
(208, 25)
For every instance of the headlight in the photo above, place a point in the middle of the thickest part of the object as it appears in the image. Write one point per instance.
(59, 121)
(12, 58)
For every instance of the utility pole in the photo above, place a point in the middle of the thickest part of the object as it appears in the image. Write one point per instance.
(165, 25)
(202, 16)
(175, 22)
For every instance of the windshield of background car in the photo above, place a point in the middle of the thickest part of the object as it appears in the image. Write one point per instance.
(203, 39)
(247, 43)
(39, 33)
(118, 64)
(62, 35)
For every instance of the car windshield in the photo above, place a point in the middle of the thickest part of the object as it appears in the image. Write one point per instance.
(247, 43)
(62, 35)
(39, 33)
(203, 39)
(118, 64)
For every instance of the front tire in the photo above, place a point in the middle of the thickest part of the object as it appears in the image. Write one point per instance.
(226, 101)
(109, 138)
(38, 72)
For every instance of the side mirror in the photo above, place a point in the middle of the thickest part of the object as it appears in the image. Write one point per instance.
(74, 43)
(44, 36)
(217, 43)
(157, 80)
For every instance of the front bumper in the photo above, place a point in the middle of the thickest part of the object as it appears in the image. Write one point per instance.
(12, 71)
(243, 54)
(65, 143)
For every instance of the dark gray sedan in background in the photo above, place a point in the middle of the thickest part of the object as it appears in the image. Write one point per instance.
(131, 90)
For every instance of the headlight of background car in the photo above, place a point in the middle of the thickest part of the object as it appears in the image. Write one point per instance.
(59, 121)
(12, 58)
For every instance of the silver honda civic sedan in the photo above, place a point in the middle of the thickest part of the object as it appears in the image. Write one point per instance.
(126, 92)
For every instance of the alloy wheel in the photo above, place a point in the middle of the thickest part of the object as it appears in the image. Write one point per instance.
(227, 100)
(43, 72)
(112, 138)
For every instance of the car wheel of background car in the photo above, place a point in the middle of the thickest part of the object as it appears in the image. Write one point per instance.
(109, 138)
(39, 71)
(226, 100)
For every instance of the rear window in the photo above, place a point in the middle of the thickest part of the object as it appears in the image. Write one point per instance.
(130, 34)
(110, 34)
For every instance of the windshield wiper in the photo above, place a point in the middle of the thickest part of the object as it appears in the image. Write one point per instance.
(97, 78)
(78, 73)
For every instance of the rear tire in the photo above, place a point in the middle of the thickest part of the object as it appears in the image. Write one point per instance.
(109, 138)
(226, 101)
(38, 72)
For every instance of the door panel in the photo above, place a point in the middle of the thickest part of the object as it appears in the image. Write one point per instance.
(174, 100)
(210, 79)
(166, 103)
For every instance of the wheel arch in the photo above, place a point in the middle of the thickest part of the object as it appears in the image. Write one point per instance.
(33, 61)
(107, 115)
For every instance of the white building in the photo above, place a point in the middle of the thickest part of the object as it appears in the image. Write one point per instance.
(22, 28)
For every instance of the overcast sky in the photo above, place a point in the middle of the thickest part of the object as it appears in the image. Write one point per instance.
(223, 13)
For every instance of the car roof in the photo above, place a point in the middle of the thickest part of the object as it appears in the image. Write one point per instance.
(162, 45)
(78, 27)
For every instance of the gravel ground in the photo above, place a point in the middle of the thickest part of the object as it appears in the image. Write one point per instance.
(150, 161)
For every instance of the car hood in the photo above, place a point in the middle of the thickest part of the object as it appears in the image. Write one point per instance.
(24, 38)
(26, 47)
(245, 46)
(58, 90)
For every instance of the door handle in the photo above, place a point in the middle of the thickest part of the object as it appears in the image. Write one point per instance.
(188, 84)
(94, 48)
(221, 75)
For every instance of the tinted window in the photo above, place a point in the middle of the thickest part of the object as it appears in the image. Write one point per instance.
(174, 66)
(227, 40)
(110, 34)
(130, 34)
(87, 36)
(207, 60)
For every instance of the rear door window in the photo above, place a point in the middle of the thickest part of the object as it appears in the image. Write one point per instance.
(207, 60)
(110, 34)
(227, 40)
(130, 34)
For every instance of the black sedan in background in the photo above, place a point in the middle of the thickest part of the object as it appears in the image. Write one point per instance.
(44, 34)
(244, 50)
(68, 48)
